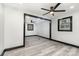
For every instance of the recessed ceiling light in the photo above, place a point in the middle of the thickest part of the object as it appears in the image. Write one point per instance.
(71, 7)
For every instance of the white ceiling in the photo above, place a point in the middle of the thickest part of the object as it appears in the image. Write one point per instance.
(35, 8)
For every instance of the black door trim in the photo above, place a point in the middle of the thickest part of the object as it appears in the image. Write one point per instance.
(25, 14)
(24, 32)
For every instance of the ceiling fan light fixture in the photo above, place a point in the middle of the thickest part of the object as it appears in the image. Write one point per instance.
(53, 9)
(51, 12)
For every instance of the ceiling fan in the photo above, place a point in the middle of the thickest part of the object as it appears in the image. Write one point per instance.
(53, 9)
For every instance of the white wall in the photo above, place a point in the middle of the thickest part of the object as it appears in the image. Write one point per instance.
(68, 37)
(43, 29)
(1, 28)
(13, 27)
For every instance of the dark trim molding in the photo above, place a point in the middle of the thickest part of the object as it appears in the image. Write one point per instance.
(65, 43)
(30, 35)
(42, 37)
(38, 36)
(69, 17)
(8, 49)
(60, 42)
(24, 32)
(36, 17)
(30, 29)
(2, 53)
(50, 29)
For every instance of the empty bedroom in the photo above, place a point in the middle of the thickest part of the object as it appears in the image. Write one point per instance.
(39, 29)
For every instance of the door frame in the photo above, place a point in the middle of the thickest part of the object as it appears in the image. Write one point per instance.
(50, 25)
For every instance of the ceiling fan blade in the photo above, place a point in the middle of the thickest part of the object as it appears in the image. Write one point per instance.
(59, 10)
(46, 13)
(57, 5)
(45, 9)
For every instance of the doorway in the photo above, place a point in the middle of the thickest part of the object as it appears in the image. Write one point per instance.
(33, 16)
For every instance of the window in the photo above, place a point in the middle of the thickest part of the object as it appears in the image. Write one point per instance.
(30, 27)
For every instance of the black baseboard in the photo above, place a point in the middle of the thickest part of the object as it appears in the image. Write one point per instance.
(42, 37)
(8, 49)
(2, 53)
(58, 41)
(30, 35)
(65, 43)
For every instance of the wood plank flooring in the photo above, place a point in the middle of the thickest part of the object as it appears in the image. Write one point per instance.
(37, 46)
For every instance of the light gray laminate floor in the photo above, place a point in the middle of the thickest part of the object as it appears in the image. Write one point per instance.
(37, 46)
